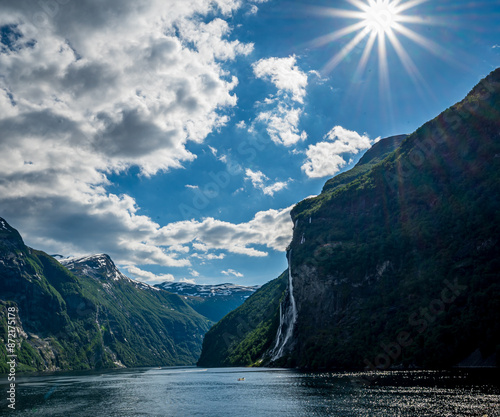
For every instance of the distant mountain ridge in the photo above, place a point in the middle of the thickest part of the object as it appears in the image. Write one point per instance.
(212, 301)
(207, 290)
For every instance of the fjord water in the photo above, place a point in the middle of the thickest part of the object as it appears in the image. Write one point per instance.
(180, 392)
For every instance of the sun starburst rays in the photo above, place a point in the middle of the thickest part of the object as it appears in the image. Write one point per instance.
(363, 62)
(337, 59)
(379, 22)
(331, 37)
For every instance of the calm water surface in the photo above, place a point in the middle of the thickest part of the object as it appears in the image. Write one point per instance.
(189, 392)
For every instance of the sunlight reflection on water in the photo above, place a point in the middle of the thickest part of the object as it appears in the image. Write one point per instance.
(264, 392)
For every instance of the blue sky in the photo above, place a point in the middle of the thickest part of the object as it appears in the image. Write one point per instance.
(176, 135)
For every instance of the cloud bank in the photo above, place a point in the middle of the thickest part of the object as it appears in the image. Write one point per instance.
(90, 89)
(271, 228)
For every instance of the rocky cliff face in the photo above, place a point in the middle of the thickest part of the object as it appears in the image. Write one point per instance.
(397, 266)
(89, 315)
(397, 262)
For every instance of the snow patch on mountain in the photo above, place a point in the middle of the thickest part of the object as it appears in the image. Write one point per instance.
(101, 266)
(206, 291)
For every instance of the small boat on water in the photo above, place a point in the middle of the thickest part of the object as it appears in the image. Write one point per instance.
(241, 379)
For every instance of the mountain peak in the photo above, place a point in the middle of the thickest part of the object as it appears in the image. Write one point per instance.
(373, 156)
(9, 237)
(98, 266)
(381, 149)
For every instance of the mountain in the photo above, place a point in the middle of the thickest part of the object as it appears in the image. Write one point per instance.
(245, 334)
(212, 301)
(396, 265)
(88, 315)
(102, 269)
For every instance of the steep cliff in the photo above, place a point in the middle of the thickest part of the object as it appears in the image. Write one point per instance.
(397, 262)
(90, 317)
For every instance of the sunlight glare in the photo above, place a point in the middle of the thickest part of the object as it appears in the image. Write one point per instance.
(380, 16)
(377, 22)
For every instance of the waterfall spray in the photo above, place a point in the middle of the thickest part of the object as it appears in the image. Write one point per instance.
(288, 317)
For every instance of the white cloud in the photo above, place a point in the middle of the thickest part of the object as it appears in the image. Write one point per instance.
(495, 46)
(188, 281)
(256, 177)
(179, 249)
(193, 187)
(89, 91)
(253, 10)
(207, 38)
(282, 124)
(271, 228)
(283, 117)
(149, 277)
(194, 273)
(258, 180)
(284, 74)
(233, 273)
(200, 246)
(209, 256)
(322, 160)
(328, 158)
(274, 188)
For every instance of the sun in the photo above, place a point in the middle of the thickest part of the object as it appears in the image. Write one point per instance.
(378, 23)
(380, 16)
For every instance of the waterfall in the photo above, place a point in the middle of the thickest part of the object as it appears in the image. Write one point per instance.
(288, 316)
